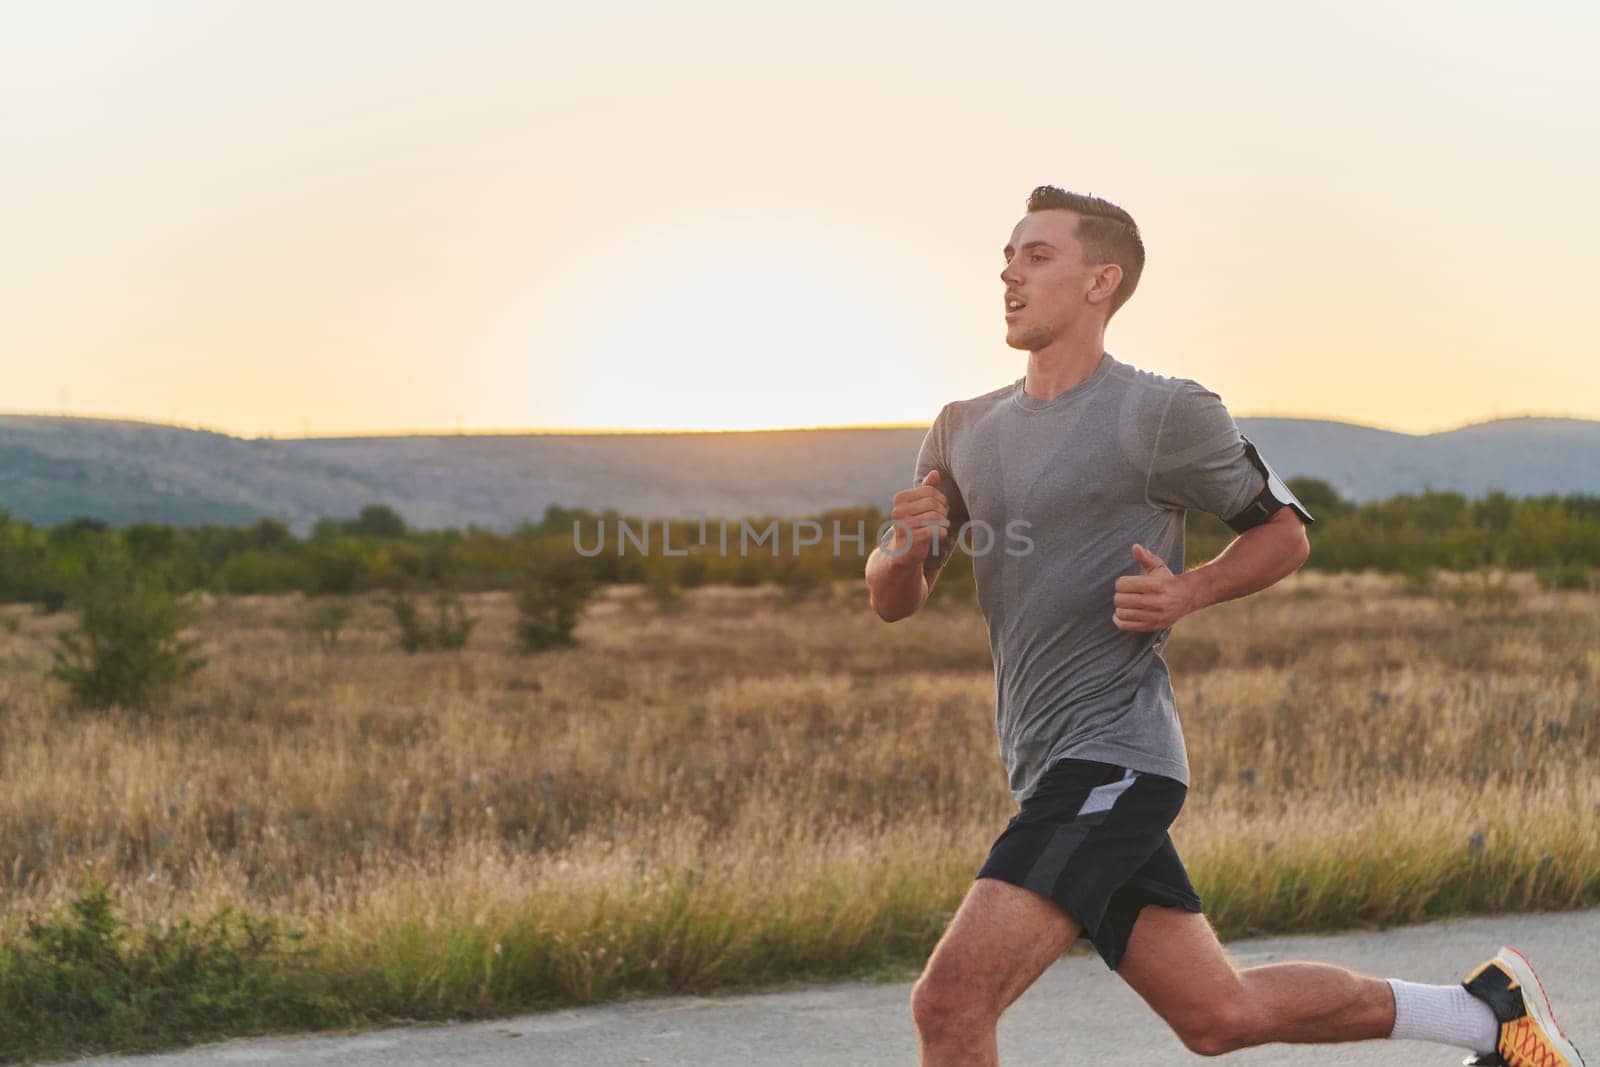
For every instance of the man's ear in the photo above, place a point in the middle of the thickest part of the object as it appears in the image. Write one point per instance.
(1107, 277)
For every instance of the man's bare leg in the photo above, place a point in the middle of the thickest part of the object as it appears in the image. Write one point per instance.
(1000, 941)
(1176, 964)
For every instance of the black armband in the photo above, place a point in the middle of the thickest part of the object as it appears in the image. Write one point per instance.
(1274, 495)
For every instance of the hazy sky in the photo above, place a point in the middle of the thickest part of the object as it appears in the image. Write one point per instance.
(342, 217)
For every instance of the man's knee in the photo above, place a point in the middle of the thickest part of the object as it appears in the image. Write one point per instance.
(943, 1005)
(1228, 1025)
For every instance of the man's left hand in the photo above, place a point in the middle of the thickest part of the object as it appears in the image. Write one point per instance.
(1153, 600)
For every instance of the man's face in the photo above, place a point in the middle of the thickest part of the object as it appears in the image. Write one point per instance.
(1046, 272)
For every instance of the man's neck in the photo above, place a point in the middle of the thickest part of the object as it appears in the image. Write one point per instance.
(1067, 362)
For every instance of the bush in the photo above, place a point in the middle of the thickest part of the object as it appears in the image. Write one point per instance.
(747, 573)
(325, 621)
(957, 585)
(79, 983)
(663, 588)
(377, 520)
(1418, 579)
(252, 570)
(333, 569)
(800, 577)
(126, 649)
(1567, 576)
(1319, 496)
(551, 601)
(448, 630)
(694, 572)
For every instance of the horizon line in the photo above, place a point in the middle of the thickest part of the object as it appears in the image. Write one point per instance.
(627, 431)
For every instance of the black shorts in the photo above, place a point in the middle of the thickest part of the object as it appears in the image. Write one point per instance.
(1093, 838)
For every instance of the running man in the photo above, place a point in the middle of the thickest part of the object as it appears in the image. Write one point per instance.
(1069, 488)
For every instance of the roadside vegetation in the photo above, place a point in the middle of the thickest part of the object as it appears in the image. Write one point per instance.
(1556, 538)
(733, 784)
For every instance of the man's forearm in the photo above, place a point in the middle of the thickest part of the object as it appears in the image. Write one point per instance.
(1252, 561)
(895, 589)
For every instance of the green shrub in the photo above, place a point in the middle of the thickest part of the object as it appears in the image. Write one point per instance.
(78, 982)
(747, 573)
(127, 648)
(800, 577)
(333, 568)
(694, 571)
(663, 588)
(1567, 576)
(1319, 496)
(956, 585)
(1418, 579)
(325, 621)
(252, 570)
(448, 630)
(550, 602)
(377, 520)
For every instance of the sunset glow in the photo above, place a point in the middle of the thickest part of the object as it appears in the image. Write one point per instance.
(374, 217)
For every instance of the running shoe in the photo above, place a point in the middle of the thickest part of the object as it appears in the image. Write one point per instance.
(1529, 1036)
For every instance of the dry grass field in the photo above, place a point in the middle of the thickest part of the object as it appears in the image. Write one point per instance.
(754, 788)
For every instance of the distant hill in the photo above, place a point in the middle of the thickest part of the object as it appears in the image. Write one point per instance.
(55, 468)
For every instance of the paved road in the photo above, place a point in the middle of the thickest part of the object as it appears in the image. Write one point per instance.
(1078, 1013)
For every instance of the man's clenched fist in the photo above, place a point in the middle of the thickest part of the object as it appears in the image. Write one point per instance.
(1152, 601)
(924, 511)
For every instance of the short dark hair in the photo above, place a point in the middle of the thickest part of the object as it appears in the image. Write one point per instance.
(1107, 233)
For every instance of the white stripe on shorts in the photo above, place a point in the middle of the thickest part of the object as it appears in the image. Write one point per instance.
(1101, 797)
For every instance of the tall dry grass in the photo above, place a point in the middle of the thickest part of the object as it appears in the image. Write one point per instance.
(750, 787)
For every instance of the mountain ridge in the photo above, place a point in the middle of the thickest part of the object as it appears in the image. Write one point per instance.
(55, 467)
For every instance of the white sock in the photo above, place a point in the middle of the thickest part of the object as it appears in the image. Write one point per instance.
(1447, 1014)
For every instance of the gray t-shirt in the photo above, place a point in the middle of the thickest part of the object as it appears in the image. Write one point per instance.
(1048, 497)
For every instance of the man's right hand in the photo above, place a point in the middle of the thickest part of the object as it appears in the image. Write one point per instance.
(925, 511)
